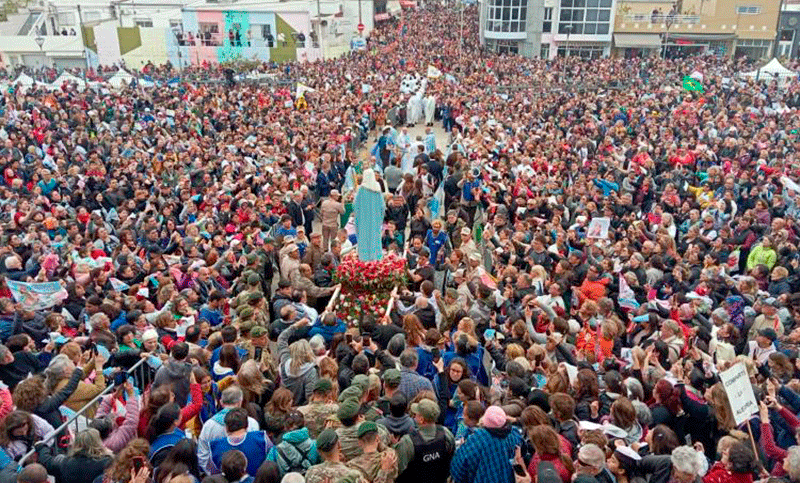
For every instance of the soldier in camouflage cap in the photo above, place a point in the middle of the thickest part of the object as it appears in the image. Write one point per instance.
(352, 392)
(359, 389)
(244, 313)
(253, 285)
(259, 305)
(376, 466)
(391, 381)
(331, 470)
(350, 416)
(321, 408)
(244, 342)
(362, 381)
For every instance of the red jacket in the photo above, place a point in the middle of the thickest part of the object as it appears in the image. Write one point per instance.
(720, 474)
(563, 471)
(592, 290)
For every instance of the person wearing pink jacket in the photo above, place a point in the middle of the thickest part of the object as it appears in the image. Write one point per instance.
(117, 430)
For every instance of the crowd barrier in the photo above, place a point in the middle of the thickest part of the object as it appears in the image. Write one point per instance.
(137, 371)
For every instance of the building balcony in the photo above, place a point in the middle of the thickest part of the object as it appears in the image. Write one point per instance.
(661, 20)
(490, 34)
(693, 25)
(505, 29)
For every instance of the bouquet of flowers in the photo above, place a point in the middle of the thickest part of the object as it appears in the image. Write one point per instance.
(366, 286)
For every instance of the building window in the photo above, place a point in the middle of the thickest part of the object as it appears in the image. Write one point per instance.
(66, 19)
(547, 23)
(752, 48)
(544, 52)
(506, 15)
(144, 22)
(748, 10)
(585, 17)
(266, 34)
(175, 24)
(503, 46)
(718, 47)
(583, 50)
(209, 34)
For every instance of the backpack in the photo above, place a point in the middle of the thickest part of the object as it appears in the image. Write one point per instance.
(291, 465)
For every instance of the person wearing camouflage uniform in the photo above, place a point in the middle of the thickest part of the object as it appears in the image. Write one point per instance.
(320, 409)
(331, 470)
(253, 282)
(351, 418)
(260, 308)
(453, 226)
(253, 339)
(360, 389)
(244, 315)
(376, 466)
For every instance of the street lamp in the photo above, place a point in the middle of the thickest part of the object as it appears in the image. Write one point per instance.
(175, 32)
(668, 24)
(40, 42)
(568, 28)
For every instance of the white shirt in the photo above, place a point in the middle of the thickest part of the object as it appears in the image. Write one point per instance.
(759, 354)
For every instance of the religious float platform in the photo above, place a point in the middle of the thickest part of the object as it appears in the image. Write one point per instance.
(367, 287)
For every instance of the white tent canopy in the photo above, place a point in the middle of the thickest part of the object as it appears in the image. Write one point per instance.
(70, 79)
(25, 80)
(120, 79)
(772, 70)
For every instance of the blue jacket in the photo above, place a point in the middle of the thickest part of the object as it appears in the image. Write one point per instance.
(214, 317)
(485, 457)
(328, 331)
(435, 243)
(425, 365)
(215, 355)
(474, 362)
(166, 440)
(606, 186)
(255, 446)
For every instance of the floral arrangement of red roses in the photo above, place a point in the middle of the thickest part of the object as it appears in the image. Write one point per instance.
(366, 286)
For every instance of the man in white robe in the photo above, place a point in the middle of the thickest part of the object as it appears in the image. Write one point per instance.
(415, 109)
(404, 144)
(430, 108)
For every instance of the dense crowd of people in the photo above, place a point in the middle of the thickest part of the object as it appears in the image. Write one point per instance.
(588, 248)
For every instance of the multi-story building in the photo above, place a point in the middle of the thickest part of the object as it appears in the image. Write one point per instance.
(548, 28)
(670, 28)
(133, 33)
(584, 28)
(789, 38)
(512, 26)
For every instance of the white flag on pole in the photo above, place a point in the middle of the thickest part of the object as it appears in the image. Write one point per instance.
(433, 72)
(302, 89)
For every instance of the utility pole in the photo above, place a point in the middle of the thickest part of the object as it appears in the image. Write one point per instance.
(319, 30)
(777, 30)
(666, 36)
(461, 30)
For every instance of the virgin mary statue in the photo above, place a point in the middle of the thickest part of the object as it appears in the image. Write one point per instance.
(369, 209)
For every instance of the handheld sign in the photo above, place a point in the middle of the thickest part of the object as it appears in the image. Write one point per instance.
(740, 393)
